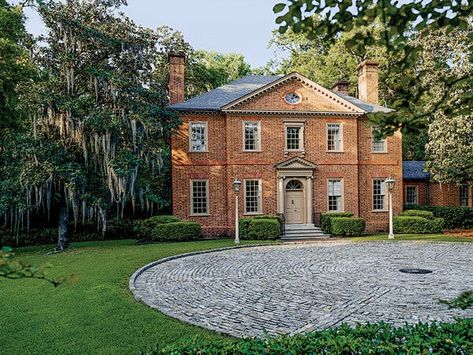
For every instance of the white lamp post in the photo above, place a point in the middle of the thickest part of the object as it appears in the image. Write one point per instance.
(236, 189)
(390, 182)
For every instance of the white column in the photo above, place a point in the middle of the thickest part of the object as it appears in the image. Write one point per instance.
(281, 194)
(309, 200)
(391, 234)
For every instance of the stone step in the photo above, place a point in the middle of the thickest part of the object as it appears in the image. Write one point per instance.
(304, 233)
(294, 238)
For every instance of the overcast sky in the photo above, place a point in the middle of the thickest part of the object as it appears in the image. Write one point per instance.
(242, 26)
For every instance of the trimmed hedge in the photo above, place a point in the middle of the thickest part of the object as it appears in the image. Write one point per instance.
(454, 216)
(418, 213)
(176, 231)
(417, 225)
(379, 338)
(245, 227)
(347, 226)
(325, 219)
(264, 229)
(144, 228)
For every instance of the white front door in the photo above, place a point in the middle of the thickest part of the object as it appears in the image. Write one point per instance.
(294, 203)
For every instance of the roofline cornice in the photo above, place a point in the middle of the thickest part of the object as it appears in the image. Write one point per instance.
(294, 113)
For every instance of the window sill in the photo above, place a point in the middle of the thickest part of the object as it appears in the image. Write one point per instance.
(199, 215)
(252, 214)
(252, 151)
(379, 211)
(335, 151)
(198, 151)
(379, 152)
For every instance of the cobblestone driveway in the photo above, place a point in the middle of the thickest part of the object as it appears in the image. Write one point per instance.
(298, 288)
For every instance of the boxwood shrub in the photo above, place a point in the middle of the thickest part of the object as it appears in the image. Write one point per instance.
(144, 228)
(347, 226)
(419, 213)
(417, 225)
(176, 231)
(244, 227)
(379, 338)
(263, 228)
(325, 218)
(454, 216)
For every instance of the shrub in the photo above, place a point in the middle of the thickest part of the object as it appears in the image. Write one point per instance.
(418, 213)
(176, 231)
(244, 227)
(454, 216)
(379, 338)
(347, 226)
(417, 225)
(263, 228)
(325, 218)
(144, 228)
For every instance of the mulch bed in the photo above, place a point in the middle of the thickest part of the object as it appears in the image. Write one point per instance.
(467, 233)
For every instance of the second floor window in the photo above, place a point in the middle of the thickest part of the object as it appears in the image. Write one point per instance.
(378, 145)
(334, 137)
(379, 195)
(294, 136)
(464, 195)
(251, 132)
(335, 198)
(198, 136)
(411, 195)
(252, 196)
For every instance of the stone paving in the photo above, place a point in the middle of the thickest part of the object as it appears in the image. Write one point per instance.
(302, 287)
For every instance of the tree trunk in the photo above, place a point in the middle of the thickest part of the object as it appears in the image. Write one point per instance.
(63, 224)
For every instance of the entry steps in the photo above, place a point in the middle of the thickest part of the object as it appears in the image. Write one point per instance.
(303, 232)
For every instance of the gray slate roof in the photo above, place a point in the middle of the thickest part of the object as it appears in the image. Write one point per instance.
(215, 99)
(414, 170)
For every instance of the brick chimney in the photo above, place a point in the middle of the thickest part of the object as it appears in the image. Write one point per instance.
(176, 77)
(341, 86)
(368, 81)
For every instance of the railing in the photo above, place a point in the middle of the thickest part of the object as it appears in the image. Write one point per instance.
(316, 219)
(282, 220)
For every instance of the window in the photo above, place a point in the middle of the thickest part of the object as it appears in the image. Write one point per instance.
(464, 195)
(335, 195)
(378, 145)
(334, 137)
(295, 136)
(292, 98)
(252, 196)
(411, 195)
(379, 195)
(251, 136)
(198, 136)
(199, 197)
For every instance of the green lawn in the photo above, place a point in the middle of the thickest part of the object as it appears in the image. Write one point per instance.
(98, 313)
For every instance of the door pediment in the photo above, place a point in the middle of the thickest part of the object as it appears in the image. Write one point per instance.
(295, 163)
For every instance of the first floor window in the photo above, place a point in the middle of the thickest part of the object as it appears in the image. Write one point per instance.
(251, 136)
(252, 196)
(464, 195)
(411, 195)
(379, 195)
(378, 145)
(334, 137)
(335, 195)
(198, 136)
(199, 197)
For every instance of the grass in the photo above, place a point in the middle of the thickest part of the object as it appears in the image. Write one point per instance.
(98, 314)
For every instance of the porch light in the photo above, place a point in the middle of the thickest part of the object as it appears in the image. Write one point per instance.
(390, 182)
(236, 185)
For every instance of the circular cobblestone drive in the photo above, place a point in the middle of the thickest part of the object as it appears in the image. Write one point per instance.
(297, 288)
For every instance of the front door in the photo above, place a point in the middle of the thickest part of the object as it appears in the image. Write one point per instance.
(294, 204)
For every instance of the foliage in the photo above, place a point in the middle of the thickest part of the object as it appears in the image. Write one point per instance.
(244, 227)
(417, 224)
(453, 216)
(400, 24)
(446, 338)
(347, 226)
(325, 219)
(176, 231)
(264, 229)
(418, 213)
(144, 228)
(10, 268)
(463, 301)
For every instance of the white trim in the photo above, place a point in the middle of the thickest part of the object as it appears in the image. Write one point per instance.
(385, 202)
(206, 124)
(372, 141)
(417, 194)
(341, 137)
(260, 198)
(191, 197)
(342, 181)
(294, 124)
(258, 143)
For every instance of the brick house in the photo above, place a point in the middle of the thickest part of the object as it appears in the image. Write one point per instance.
(298, 148)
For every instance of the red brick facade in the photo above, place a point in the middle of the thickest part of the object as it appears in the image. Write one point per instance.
(436, 194)
(225, 158)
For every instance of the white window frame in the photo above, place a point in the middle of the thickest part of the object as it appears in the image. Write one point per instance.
(258, 142)
(299, 125)
(385, 140)
(385, 200)
(340, 125)
(191, 196)
(417, 194)
(468, 192)
(342, 204)
(206, 136)
(260, 197)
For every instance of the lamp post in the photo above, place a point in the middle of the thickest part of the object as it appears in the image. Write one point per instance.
(390, 182)
(236, 190)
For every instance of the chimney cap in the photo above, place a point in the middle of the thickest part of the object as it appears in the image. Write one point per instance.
(366, 63)
(177, 54)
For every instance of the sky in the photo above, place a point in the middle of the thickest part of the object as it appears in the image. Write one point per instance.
(241, 26)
